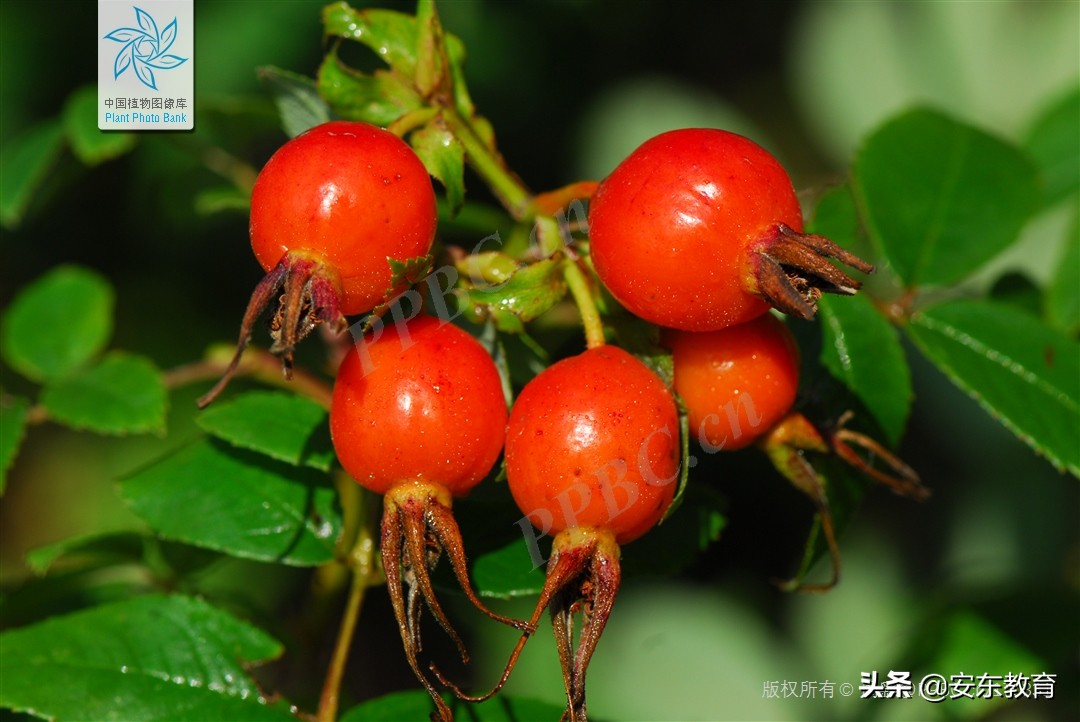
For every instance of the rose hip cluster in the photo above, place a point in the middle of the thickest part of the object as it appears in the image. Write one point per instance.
(698, 232)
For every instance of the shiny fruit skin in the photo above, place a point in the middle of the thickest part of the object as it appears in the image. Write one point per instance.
(350, 195)
(430, 407)
(673, 228)
(747, 374)
(580, 422)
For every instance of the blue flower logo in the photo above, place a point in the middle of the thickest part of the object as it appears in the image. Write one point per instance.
(145, 49)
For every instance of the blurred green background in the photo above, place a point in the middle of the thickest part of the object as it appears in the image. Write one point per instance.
(986, 572)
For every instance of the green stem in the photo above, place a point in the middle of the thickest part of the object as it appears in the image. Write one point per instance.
(362, 562)
(549, 237)
(517, 199)
(411, 121)
(582, 293)
(509, 189)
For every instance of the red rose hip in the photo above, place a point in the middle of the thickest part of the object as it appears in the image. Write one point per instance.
(735, 383)
(328, 210)
(699, 229)
(593, 442)
(592, 455)
(348, 195)
(423, 401)
(418, 415)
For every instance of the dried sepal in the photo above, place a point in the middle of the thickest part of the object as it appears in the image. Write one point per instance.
(418, 527)
(787, 444)
(793, 269)
(308, 293)
(583, 576)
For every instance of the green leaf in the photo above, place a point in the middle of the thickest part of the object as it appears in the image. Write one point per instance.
(392, 35)
(1017, 290)
(121, 394)
(89, 552)
(509, 572)
(380, 98)
(844, 491)
(530, 291)
(106, 549)
(836, 216)
(417, 705)
(642, 339)
(403, 275)
(58, 323)
(1063, 294)
(941, 198)
(970, 641)
(238, 502)
(430, 51)
(90, 144)
(861, 349)
(432, 64)
(680, 537)
(297, 99)
(149, 658)
(283, 426)
(1054, 143)
(13, 411)
(65, 590)
(1024, 373)
(410, 704)
(396, 38)
(444, 157)
(965, 639)
(24, 164)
